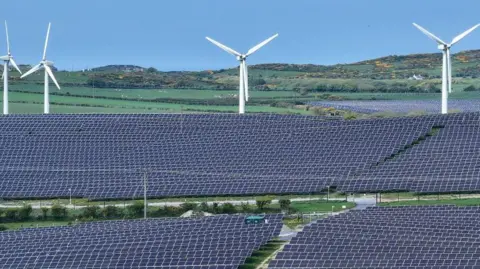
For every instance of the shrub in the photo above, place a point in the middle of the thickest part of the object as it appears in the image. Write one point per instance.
(25, 212)
(204, 207)
(284, 204)
(91, 211)
(3, 228)
(188, 206)
(245, 207)
(59, 212)
(263, 202)
(111, 212)
(135, 210)
(228, 208)
(215, 208)
(11, 214)
(44, 212)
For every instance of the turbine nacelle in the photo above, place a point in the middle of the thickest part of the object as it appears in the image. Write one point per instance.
(48, 63)
(5, 58)
(241, 57)
(443, 46)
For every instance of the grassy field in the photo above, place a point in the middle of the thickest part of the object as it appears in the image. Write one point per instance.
(33, 103)
(33, 224)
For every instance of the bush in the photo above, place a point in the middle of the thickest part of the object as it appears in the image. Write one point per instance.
(215, 208)
(11, 214)
(188, 206)
(228, 208)
(44, 212)
(284, 204)
(3, 228)
(111, 212)
(204, 207)
(245, 207)
(91, 211)
(59, 212)
(25, 212)
(263, 202)
(135, 210)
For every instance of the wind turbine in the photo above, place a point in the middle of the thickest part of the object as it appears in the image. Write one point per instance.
(243, 88)
(7, 59)
(447, 61)
(46, 65)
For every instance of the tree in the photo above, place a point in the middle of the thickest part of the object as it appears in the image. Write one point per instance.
(25, 212)
(59, 212)
(284, 204)
(111, 212)
(91, 212)
(215, 208)
(204, 207)
(188, 206)
(228, 208)
(263, 202)
(135, 210)
(44, 212)
(11, 214)
(152, 70)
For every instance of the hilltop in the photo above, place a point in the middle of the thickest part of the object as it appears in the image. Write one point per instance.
(386, 74)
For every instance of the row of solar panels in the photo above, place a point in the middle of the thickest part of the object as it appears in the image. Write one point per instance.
(208, 242)
(105, 156)
(382, 237)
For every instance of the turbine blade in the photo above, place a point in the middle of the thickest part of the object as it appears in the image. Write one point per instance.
(449, 71)
(257, 47)
(225, 48)
(245, 79)
(432, 36)
(15, 65)
(46, 43)
(8, 40)
(464, 34)
(50, 74)
(31, 71)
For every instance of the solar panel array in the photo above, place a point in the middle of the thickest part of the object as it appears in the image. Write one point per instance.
(448, 161)
(103, 156)
(440, 237)
(400, 106)
(220, 242)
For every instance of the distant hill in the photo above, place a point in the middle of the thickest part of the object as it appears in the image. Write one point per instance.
(385, 74)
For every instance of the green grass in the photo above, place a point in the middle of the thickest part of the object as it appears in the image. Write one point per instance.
(33, 224)
(458, 202)
(320, 206)
(262, 255)
(68, 104)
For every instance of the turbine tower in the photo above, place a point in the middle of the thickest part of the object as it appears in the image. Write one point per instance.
(7, 60)
(46, 65)
(243, 86)
(447, 61)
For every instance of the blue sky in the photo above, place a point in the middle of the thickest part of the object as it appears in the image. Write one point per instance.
(170, 34)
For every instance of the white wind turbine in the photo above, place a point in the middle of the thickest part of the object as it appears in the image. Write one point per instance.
(7, 60)
(46, 65)
(243, 88)
(447, 61)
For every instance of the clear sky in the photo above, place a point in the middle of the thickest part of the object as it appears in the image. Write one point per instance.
(170, 34)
